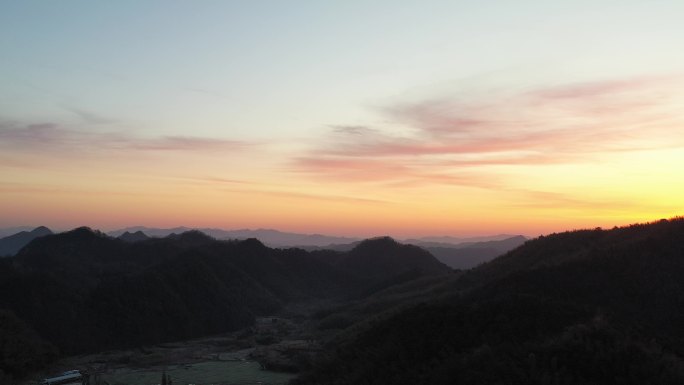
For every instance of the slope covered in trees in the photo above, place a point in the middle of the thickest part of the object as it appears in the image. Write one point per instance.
(590, 307)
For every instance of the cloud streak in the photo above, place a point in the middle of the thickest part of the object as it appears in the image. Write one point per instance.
(314, 197)
(90, 117)
(56, 138)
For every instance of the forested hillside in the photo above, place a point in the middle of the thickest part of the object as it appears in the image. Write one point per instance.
(582, 307)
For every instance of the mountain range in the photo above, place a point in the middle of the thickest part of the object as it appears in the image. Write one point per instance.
(270, 237)
(580, 307)
(84, 291)
(276, 238)
(464, 253)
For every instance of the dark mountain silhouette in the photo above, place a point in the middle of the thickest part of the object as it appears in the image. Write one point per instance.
(10, 245)
(582, 307)
(465, 255)
(85, 291)
(384, 257)
(133, 237)
(383, 262)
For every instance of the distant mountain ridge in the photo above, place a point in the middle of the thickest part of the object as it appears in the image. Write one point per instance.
(446, 240)
(11, 244)
(7, 231)
(471, 254)
(276, 238)
(270, 237)
(456, 252)
(458, 256)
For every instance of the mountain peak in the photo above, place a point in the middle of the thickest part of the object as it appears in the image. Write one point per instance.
(383, 256)
(41, 230)
(377, 243)
(133, 237)
(252, 242)
(192, 237)
(12, 244)
(86, 231)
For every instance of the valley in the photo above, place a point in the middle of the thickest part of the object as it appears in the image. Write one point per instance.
(225, 359)
(272, 351)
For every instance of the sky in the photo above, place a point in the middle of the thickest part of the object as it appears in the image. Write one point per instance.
(359, 118)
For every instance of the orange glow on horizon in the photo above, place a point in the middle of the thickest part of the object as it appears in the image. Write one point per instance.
(530, 163)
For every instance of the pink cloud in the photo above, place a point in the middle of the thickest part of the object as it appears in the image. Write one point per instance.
(609, 88)
(443, 117)
(561, 124)
(349, 169)
(385, 172)
(309, 196)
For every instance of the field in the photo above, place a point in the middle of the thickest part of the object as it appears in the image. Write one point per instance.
(203, 373)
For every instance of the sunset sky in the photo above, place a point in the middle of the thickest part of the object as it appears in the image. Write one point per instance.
(359, 118)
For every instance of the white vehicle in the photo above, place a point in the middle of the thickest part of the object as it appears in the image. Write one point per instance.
(64, 378)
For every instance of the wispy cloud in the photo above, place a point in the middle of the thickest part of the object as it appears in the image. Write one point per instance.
(455, 137)
(601, 88)
(38, 188)
(385, 171)
(351, 169)
(90, 117)
(214, 180)
(553, 201)
(270, 189)
(309, 196)
(56, 138)
(184, 143)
